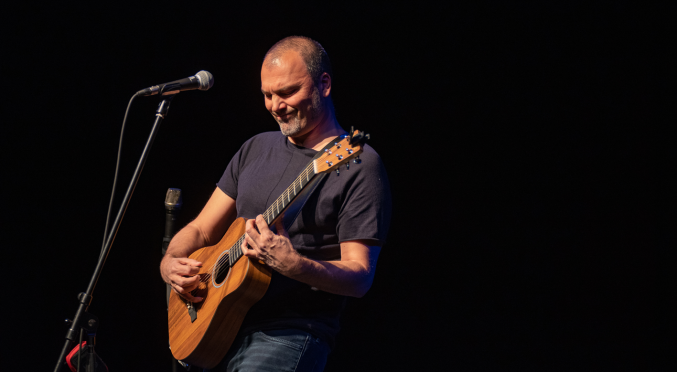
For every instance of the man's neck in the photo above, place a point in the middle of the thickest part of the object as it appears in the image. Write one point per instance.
(319, 136)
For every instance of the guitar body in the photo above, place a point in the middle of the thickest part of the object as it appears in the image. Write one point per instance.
(205, 341)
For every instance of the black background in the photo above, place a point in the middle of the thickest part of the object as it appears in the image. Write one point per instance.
(526, 144)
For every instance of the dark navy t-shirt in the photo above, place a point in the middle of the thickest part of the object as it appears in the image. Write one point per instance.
(354, 204)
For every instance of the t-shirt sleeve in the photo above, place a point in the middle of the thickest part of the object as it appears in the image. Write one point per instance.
(228, 181)
(367, 206)
(245, 157)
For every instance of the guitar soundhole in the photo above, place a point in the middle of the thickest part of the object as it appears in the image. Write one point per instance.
(221, 269)
(222, 273)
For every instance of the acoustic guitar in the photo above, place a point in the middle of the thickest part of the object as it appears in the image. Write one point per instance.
(200, 334)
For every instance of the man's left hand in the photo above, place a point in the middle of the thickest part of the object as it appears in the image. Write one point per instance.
(275, 250)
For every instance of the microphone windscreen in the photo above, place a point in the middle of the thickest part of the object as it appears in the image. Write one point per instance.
(173, 199)
(206, 79)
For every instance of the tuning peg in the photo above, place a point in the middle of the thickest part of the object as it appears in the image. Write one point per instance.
(337, 171)
(360, 137)
(355, 138)
(347, 166)
(357, 160)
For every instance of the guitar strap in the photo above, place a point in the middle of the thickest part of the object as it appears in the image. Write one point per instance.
(294, 208)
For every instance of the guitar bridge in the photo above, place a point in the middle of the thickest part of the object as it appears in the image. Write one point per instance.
(191, 309)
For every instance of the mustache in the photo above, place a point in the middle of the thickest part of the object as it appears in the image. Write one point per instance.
(278, 115)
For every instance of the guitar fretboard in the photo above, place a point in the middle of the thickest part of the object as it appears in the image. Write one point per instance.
(278, 206)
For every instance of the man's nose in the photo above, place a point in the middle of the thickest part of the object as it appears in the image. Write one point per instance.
(278, 104)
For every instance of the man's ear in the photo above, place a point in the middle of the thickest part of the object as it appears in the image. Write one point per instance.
(325, 85)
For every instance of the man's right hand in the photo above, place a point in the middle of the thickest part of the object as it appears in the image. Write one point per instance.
(176, 268)
(181, 274)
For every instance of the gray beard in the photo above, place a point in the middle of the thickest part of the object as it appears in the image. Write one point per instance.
(291, 128)
(294, 127)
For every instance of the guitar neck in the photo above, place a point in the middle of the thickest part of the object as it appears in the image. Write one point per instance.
(283, 201)
(345, 148)
(279, 206)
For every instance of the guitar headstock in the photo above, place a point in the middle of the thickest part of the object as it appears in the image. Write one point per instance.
(349, 147)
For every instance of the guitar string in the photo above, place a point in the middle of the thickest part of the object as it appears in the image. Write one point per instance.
(223, 259)
(269, 213)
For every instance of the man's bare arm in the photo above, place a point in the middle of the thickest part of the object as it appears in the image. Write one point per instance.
(351, 276)
(176, 268)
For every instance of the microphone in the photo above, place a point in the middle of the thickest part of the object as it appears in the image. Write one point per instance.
(203, 80)
(173, 204)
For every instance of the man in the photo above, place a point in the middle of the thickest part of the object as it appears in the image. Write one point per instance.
(329, 252)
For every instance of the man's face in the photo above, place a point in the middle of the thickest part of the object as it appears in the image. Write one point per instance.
(290, 95)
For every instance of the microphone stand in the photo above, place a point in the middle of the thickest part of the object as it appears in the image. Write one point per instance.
(82, 318)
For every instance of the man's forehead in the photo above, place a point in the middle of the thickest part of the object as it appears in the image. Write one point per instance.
(274, 61)
(289, 61)
(282, 70)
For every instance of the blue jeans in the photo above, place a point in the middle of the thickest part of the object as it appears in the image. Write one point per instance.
(277, 350)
